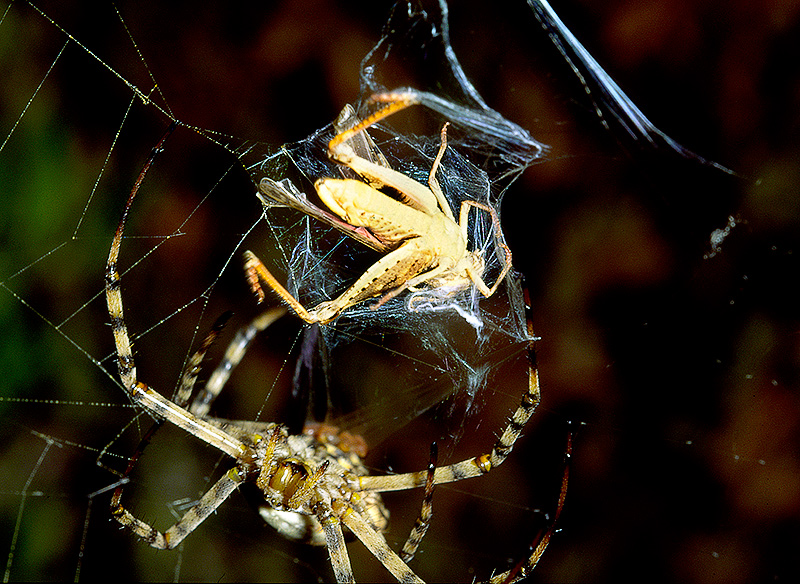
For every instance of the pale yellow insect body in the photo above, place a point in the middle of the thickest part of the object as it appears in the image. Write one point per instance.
(425, 244)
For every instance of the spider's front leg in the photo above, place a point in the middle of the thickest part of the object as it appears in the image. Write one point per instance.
(173, 536)
(139, 392)
(162, 408)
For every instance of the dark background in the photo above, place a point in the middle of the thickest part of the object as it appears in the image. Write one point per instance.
(679, 371)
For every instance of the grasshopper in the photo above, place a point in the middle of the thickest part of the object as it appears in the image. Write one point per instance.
(423, 242)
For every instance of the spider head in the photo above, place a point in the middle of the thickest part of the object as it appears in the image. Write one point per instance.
(282, 480)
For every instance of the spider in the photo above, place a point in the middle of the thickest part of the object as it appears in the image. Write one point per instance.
(425, 244)
(312, 484)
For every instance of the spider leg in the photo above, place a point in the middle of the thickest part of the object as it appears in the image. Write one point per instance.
(170, 538)
(472, 467)
(148, 398)
(334, 538)
(127, 369)
(184, 392)
(233, 356)
(202, 402)
(464, 222)
(423, 522)
(479, 465)
(374, 542)
(527, 566)
(483, 464)
(193, 366)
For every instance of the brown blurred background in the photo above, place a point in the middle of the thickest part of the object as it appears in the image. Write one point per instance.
(679, 371)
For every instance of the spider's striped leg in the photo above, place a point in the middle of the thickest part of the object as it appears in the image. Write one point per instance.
(148, 398)
(374, 542)
(190, 520)
(527, 566)
(193, 366)
(479, 465)
(334, 538)
(423, 522)
(233, 356)
(485, 463)
(184, 393)
(472, 467)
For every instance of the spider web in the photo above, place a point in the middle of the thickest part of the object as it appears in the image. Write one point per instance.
(693, 486)
(459, 339)
(180, 257)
